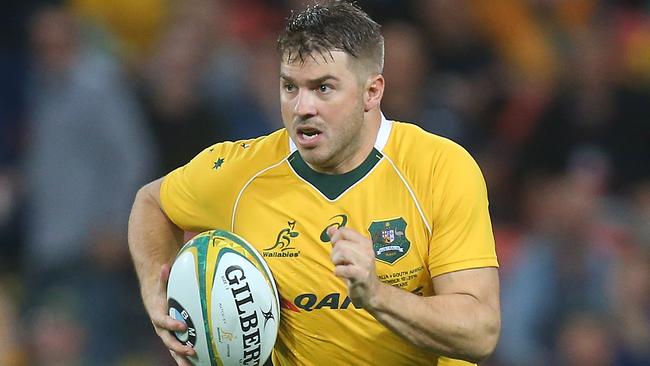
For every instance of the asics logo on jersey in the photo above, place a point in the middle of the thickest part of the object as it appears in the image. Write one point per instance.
(339, 221)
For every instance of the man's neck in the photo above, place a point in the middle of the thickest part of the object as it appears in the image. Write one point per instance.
(372, 124)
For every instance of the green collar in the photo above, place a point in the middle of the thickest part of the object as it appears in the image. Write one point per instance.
(332, 186)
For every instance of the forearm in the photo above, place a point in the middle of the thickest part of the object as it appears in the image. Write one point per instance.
(153, 239)
(454, 325)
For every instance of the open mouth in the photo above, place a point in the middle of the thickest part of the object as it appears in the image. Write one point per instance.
(308, 133)
(308, 137)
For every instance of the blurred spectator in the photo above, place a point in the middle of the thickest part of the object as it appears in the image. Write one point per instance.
(131, 28)
(87, 154)
(235, 84)
(641, 198)
(586, 339)
(462, 83)
(12, 349)
(519, 39)
(562, 269)
(58, 329)
(527, 67)
(181, 120)
(406, 70)
(581, 113)
(87, 145)
(241, 81)
(631, 28)
(630, 295)
(10, 235)
(13, 70)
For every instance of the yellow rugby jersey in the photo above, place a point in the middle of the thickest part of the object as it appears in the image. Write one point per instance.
(419, 197)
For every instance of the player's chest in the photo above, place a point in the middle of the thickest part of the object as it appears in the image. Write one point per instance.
(289, 228)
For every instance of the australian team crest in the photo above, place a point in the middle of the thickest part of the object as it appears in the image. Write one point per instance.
(389, 239)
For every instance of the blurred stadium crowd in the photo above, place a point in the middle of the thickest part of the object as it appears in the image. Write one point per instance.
(551, 96)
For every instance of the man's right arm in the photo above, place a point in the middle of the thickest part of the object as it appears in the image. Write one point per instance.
(154, 241)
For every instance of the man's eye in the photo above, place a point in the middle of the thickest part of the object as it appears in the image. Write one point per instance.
(289, 87)
(324, 88)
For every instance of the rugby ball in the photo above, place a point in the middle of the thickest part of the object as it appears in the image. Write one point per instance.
(221, 287)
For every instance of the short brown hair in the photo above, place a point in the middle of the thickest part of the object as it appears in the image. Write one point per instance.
(333, 26)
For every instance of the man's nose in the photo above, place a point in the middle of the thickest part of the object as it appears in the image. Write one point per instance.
(305, 104)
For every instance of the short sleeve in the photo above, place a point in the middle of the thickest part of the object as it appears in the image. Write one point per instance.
(462, 235)
(190, 196)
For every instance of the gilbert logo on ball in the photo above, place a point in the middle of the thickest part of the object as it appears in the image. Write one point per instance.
(223, 290)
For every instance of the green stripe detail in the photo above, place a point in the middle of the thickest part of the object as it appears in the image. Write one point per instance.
(201, 244)
(332, 186)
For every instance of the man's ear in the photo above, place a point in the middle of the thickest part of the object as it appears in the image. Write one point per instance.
(374, 91)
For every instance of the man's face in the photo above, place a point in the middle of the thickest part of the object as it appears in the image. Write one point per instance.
(323, 110)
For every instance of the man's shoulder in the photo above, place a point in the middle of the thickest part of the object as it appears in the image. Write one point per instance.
(228, 165)
(202, 193)
(251, 154)
(410, 144)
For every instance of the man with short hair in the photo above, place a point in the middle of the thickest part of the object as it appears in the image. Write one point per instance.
(391, 257)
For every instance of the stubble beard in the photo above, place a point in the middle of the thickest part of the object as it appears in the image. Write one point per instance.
(340, 148)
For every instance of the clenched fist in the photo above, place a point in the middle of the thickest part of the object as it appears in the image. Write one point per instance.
(354, 261)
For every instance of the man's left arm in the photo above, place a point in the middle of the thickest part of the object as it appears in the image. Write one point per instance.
(462, 320)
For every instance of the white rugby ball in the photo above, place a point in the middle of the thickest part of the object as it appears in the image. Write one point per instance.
(222, 288)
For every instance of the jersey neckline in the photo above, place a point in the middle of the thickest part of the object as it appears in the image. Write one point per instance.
(332, 186)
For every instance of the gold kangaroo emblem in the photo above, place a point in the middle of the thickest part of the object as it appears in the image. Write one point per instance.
(227, 336)
(283, 240)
